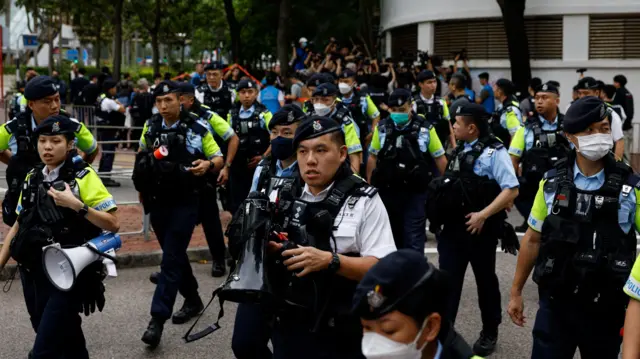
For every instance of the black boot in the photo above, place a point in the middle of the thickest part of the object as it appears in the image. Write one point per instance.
(153, 334)
(189, 310)
(153, 278)
(218, 269)
(486, 344)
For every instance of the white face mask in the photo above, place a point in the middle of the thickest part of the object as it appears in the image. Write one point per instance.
(594, 147)
(321, 109)
(344, 88)
(377, 346)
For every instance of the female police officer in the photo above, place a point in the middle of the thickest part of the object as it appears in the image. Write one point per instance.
(71, 216)
(402, 305)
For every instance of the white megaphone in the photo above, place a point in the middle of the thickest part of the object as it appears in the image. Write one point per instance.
(62, 266)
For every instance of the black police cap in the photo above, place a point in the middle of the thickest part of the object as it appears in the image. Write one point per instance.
(506, 86)
(313, 127)
(400, 281)
(588, 83)
(108, 84)
(40, 87)
(166, 87)
(326, 89)
(318, 79)
(583, 112)
(214, 66)
(187, 88)
(547, 88)
(426, 75)
(399, 97)
(56, 125)
(246, 84)
(347, 73)
(287, 115)
(474, 110)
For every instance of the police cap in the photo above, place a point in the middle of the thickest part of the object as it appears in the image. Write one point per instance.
(548, 88)
(287, 115)
(583, 112)
(56, 125)
(214, 66)
(315, 126)
(426, 75)
(474, 110)
(506, 86)
(348, 73)
(404, 281)
(40, 87)
(246, 84)
(588, 83)
(108, 84)
(399, 97)
(187, 88)
(326, 89)
(318, 79)
(166, 87)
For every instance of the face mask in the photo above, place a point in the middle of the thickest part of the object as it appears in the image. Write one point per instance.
(282, 148)
(594, 147)
(304, 44)
(376, 346)
(344, 88)
(321, 109)
(399, 118)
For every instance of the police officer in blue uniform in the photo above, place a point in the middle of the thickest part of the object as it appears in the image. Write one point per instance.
(467, 209)
(252, 329)
(215, 93)
(62, 201)
(177, 149)
(402, 303)
(109, 112)
(581, 243)
(507, 118)
(313, 82)
(405, 154)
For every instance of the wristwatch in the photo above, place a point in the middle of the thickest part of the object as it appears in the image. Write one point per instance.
(227, 164)
(84, 211)
(211, 164)
(334, 265)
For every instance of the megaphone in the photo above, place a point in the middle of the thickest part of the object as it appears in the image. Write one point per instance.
(62, 266)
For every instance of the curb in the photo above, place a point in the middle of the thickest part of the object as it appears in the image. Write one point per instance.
(133, 260)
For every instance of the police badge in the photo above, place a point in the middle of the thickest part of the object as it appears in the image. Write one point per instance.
(165, 89)
(317, 126)
(290, 117)
(375, 298)
(55, 127)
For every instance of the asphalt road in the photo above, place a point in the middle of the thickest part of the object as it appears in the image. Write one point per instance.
(115, 333)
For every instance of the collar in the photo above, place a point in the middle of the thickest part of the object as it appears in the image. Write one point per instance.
(576, 173)
(335, 109)
(251, 109)
(291, 167)
(469, 145)
(164, 124)
(33, 123)
(439, 351)
(310, 197)
(428, 100)
(219, 87)
(348, 98)
(461, 96)
(545, 121)
(53, 175)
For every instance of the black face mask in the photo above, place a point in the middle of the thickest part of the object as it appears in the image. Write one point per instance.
(282, 148)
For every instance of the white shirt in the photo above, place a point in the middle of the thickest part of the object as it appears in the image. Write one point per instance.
(53, 175)
(616, 126)
(363, 229)
(109, 105)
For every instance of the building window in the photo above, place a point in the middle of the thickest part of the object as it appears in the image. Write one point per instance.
(404, 43)
(486, 39)
(614, 37)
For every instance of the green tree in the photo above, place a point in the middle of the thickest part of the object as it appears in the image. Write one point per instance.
(151, 13)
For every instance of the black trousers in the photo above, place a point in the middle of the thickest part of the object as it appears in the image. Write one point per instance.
(54, 317)
(209, 216)
(457, 248)
(252, 331)
(173, 225)
(106, 159)
(239, 185)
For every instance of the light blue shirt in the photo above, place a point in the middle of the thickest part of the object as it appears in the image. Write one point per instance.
(503, 118)
(495, 164)
(244, 114)
(424, 138)
(439, 351)
(280, 172)
(626, 212)
(13, 142)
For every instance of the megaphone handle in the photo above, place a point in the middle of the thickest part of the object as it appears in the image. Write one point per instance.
(210, 329)
(110, 257)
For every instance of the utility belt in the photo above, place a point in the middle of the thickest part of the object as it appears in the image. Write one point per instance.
(392, 174)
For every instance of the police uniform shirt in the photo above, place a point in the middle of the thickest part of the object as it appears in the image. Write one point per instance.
(200, 95)
(632, 287)
(280, 172)
(616, 126)
(265, 116)
(351, 133)
(218, 125)
(108, 105)
(195, 142)
(511, 119)
(84, 140)
(522, 141)
(427, 141)
(443, 104)
(543, 203)
(88, 189)
(367, 106)
(495, 164)
(363, 229)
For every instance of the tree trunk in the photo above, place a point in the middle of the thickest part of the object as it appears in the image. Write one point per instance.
(518, 43)
(117, 43)
(50, 33)
(155, 47)
(283, 37)
(98, 49)
(234, 30)
(183, 45)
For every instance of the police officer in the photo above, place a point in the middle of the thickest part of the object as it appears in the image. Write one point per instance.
(249, 119)
(43, 100)
(325, 103)
(209, 212)
(401, 302)
(215, 93)
(433, 108)
(364, 111)
(469, 203)
(109, 112)
(62, 200)
(340, 229)
(403, 156)
(252, 329)
(457, 89)
(177, 149)
(507, 118)
(314, 81)
(19, 102)
(538, 146)
(581, 243)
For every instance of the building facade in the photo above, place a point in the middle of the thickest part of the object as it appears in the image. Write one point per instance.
(564, 35)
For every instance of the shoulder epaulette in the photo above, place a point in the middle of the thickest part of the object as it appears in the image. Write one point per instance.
(81, 174)
(366, 191)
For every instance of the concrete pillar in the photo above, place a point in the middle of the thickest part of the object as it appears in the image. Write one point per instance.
(575, 38)
(387, 44)
(426, 37)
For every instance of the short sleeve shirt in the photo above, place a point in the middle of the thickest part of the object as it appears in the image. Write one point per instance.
(196, 143)
(428, 141)
(522, 141)
(495, 164)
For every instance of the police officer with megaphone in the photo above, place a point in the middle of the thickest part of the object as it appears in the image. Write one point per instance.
(64, 201)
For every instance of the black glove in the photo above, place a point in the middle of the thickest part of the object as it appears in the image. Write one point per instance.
(90, 289)
(510, 243)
